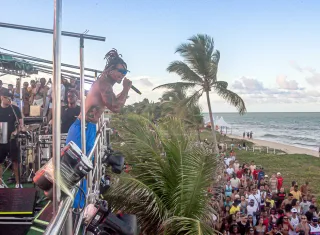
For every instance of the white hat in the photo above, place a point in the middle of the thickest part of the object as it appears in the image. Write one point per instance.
(266, 176)
(294, 210)
(278, 173)
(237, 196)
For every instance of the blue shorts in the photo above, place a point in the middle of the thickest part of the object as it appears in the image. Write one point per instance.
(74, 134)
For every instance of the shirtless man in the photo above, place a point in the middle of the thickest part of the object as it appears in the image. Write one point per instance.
(99, 98)
(40, 93)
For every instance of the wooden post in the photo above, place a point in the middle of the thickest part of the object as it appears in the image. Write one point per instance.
(274, 151)
(267, 149)
(253, 149)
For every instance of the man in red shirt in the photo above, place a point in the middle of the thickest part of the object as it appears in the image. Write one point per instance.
(280, 181)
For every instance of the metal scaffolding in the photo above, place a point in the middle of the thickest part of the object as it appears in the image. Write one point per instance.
(57, 32)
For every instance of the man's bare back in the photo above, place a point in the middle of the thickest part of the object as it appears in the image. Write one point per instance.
(101, 95)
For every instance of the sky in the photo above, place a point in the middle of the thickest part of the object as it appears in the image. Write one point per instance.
(270, 50)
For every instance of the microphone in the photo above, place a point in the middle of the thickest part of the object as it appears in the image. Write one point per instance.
(135, 89)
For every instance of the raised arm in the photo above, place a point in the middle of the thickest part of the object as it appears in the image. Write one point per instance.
(113, 102)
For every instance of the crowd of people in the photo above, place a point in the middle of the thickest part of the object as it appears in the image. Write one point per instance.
(39, 94)
(254, 203)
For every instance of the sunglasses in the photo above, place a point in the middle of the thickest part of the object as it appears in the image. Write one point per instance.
(304, 218)
(285, 218)
(122, 71)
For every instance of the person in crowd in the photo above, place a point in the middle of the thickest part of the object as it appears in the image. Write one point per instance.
(100, 97)
(252, 210)
(280, 197)
(287, 201)
(25, 99)
(260, 227)
(270, 203)
(296, 204)
(11, 91)
(280, 181)
(314, 201)
(273, 183)
(230, 170)
(294, 221)
(284, 225)
(243, 224)
(235, 182)
(304, 205)
(40, 93)
(228, 189)
(296, 192)
(314, 227)
(234, 230)
(303, 226)
(243, 205)
(16, 94)
(310, 213)
(10, 114)
(234, 208)
(252, 167)
(70, 112)
(49, 100)
(304, 189)
(293, 183)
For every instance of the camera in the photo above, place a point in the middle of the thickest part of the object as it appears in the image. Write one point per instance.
(113, 159)
(74, 166)
(100, 221)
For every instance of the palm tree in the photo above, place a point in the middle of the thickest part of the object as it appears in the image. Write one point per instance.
(199, 70)
(167, 187)
(175, 102)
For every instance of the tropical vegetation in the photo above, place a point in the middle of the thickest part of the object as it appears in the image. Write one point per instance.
(167, 186)
(199, 70)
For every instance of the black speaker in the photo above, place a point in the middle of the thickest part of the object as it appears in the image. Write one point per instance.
(16, 210)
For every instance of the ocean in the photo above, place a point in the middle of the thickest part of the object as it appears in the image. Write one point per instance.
(296, 129)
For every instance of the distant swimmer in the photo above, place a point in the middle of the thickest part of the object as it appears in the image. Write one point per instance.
(244, 134)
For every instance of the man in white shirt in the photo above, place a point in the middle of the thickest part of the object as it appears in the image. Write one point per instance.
(304, 205)
(230, 170)
(251, 210)
(255, 196)
(235, 182)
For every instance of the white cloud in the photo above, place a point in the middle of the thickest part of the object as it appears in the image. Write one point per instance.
(283, 83)
(314, 79)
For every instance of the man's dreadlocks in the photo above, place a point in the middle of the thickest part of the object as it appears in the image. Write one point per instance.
(113, 58)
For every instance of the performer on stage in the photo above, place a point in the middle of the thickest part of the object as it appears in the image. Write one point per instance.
(11, 114)
(100, 97)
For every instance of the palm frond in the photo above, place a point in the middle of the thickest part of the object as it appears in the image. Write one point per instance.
(183, 85)
(169, 179)
(198, 54)
(234, 99)
(184, 71)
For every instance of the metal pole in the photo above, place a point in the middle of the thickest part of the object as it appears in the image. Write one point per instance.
(31, 58)
(83, 116)
(50, 31)
(56, 102)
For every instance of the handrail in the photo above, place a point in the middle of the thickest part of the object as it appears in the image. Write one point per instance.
(57, 223)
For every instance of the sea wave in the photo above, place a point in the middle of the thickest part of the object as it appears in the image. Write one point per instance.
(297, 138)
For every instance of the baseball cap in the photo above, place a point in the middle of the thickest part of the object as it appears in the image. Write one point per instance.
(266, 176)
(5, 92)
(278, 173)
(312, 207)
(314, 219)
(294, 210)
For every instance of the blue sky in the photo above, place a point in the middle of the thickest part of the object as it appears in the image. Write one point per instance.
(269, 49)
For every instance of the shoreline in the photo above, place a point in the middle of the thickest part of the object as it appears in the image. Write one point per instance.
(283, 147)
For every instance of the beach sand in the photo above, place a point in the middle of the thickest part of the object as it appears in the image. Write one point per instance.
(286, 148)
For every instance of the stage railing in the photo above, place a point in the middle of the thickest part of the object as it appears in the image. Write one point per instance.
(61, 220)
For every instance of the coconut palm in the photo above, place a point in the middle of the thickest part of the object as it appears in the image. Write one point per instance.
(167, 186)
(175, 102)
(199, 70)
